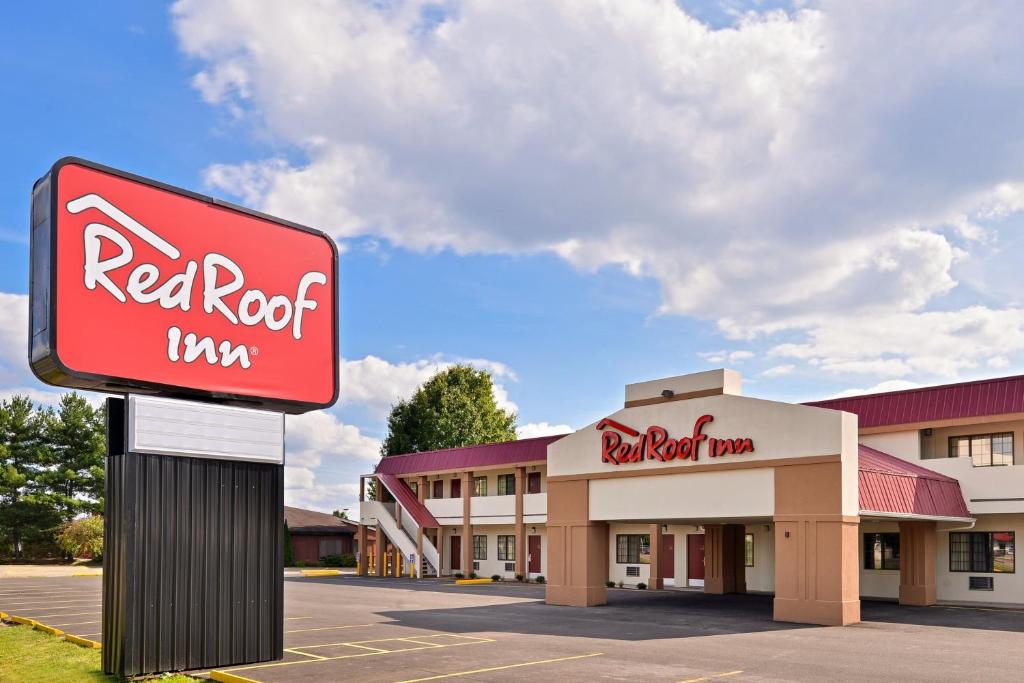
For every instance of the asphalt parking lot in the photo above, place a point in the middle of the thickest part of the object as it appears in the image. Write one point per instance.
(348, 628)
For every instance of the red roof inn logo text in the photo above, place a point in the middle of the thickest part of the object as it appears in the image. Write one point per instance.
(140, 285)
(656, 444)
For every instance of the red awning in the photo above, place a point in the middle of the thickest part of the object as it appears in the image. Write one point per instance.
(892, 486)
(408, 500)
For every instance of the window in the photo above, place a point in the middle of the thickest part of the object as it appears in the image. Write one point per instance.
(881, 551)
(506, 484)
(506, 548)
(748, 550)
(632, 571)
(415, 486)
(438, 489)
(456, 488)
(981, 551)
(533, 482)
(479, 486)
(984, 450)
(330, 546)
(633, 548)
(479, 547)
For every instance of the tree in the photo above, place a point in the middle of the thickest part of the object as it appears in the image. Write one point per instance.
(27, 517)
(83, 537)
(455, 407)
(341, 514)
(73, 480)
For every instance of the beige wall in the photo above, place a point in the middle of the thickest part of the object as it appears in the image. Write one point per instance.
(937, 445)
(1009, 588)
(877, 583)
(761, 577)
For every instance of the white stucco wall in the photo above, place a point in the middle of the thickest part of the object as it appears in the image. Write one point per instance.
(761, 577)
(1008, 588)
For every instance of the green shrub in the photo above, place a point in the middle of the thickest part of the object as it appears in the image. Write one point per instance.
(621, 583)
(459, 575)
(539, 579)
(610, 584)
(83, 537)
(472, 575)
(641, 586)
(300, 563)
(519, 577)
(289, 552)
(495, 577)
(339, 560)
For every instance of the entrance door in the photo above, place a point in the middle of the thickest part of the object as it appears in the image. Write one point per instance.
(533, 550)
(456, 559)
(695, 559)
(667, 556)
(456, 487)
(533, 482)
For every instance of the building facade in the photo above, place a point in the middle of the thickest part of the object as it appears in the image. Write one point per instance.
(318, 535)
(914, 496)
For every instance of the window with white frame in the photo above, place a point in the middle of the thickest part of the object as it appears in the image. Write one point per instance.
(984, 450)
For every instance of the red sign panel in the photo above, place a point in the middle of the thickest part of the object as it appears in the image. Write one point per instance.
(656, 443)
(140, 286)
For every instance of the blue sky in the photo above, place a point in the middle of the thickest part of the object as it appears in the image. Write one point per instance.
(573, 196)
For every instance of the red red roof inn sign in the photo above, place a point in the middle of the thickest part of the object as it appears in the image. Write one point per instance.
(140, 286)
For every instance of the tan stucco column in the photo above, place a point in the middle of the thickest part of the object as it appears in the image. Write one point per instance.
(917, 563)
(577, 547)
(361, 541)
(467, 527)
(723, 559)
(441, 559)
(379, 550)
(657, 581)
(520, 526)
(817, 569)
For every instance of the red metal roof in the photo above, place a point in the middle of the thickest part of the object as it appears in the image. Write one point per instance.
(408, 500)
(891, 484)
(930, 404)
(469, 457)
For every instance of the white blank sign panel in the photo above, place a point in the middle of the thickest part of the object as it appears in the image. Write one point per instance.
(201, 430)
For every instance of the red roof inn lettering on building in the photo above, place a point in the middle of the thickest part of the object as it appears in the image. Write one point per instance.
(137, 285)
(656, 444)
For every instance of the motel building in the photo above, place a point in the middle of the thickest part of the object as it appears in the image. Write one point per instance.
(913, 496)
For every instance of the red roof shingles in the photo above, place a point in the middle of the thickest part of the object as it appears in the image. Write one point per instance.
(893, 485)
(930, 404)
(409, 501)
(469, 457)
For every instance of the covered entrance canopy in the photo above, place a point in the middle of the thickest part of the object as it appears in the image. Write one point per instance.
(693, 449)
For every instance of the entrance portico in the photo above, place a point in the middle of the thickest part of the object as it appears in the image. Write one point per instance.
(692, 448)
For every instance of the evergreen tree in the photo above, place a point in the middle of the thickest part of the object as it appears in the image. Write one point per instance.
(454, 408)
(73, 480)
(289, 552)
(27, 516)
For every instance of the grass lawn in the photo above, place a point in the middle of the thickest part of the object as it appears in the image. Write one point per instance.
(28, 655)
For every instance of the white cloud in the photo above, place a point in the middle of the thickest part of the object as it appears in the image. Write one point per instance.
(722, 356)
(14, 339)
(531, 430)
(304, 489)
(377, 384)
(779, 370)
(793, 173)
(313, 437)
(881, 387)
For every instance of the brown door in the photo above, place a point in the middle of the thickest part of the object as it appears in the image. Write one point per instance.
(533, 482)
(695, 557)
(667, 558)
(533, 548)
(457, 553)
(438, 491)
(456, 488)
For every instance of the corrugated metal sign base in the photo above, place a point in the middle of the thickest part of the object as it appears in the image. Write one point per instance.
(193, 574)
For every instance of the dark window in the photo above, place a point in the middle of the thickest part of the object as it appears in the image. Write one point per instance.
(506, 484)
(881, 551)
(438, 489)
(456, 488)
(984, 450)
(981, 551)
(748, 550)
(632, 571)
(633, 548)
(510, 566)
(506, 547)
(533, 482)
(415, 486)
(479, 547)
(479, 486)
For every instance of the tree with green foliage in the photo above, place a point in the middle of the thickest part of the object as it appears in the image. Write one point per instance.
(455, 407)
(83, 537)
(75, 437)
(28, 519)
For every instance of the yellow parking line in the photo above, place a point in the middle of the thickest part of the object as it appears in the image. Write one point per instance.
(78, 623)
(502, 668)
(295, 651)
(227, 677)
(43, 602)
(76, 614)
(710, 676)
(361, 654)
(327, 628)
